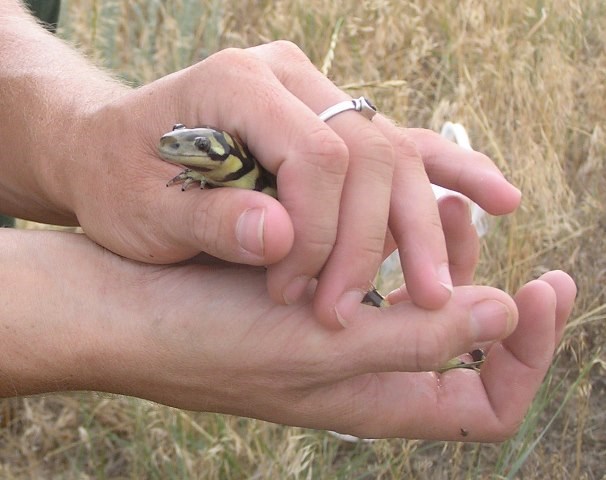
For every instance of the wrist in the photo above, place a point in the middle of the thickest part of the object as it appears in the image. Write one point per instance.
(75, 166)
(52, 90)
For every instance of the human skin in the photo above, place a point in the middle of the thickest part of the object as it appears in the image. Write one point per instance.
(90, 159)
(209, 337)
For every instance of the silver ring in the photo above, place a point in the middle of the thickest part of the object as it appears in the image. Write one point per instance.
(361, 105)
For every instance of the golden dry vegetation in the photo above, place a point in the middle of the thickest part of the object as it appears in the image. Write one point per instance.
(528, 80)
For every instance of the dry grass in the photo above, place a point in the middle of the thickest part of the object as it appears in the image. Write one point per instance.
(528, 80)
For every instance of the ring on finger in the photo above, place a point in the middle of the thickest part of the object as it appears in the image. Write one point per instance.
(361, 105)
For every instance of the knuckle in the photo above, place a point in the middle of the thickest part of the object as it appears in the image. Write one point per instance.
(324, 150)
(432, 347)
(292, 66)
(373, 248)
(233, 63)
(380, 149)
(408, 157)
(319, 247)
(289, 51)
(372, 152)
(208, 228)
(427, 225)
(433, 224)
(406, 146)
(425, 138)
(228, 56)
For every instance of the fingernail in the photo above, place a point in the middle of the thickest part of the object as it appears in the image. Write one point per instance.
(444, 278)
(249, 231)
(491, 320)
(347, 304)
(295, 289)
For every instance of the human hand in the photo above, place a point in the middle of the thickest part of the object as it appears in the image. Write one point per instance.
(209, 338)
(341, 184)
(354, 387)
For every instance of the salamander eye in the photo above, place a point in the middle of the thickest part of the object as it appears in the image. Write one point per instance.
(202, 143)
(178, 126)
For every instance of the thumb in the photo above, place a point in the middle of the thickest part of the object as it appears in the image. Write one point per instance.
(232, 224)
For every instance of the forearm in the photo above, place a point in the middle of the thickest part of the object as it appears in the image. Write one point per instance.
(46, 92)
(55, 320)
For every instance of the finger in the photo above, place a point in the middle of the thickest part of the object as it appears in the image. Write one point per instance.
(462, 405)
(363, 218)
(566, 290)
(514, 369)
(462, 244)
(468, 172)
(364, 206)
(414, 222)
(370, 403)
(405, 337)
(234, 225)
(310, 162)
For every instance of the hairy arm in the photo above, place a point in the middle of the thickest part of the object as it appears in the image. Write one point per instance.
(76, 317)
(47, 89)
(52, 317)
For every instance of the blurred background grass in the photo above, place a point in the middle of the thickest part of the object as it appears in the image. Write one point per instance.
(528, 80)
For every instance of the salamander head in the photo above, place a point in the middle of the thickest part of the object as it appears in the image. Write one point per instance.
(199, 148)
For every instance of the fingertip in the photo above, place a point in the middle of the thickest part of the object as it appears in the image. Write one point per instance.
(250, 231)
(537, 289)
(398, 295)
(500, 196)
(462, 241)
(562, 282)
(430, 300)
(516, 194)
(492, 320)
(339, 315)
(235, 225)
(514, 198)
(566, 291)
(265, 232)
(278, 233)
(427, 272)
(343, 311)
(453, 209)
(533, 341)
(429, 291)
